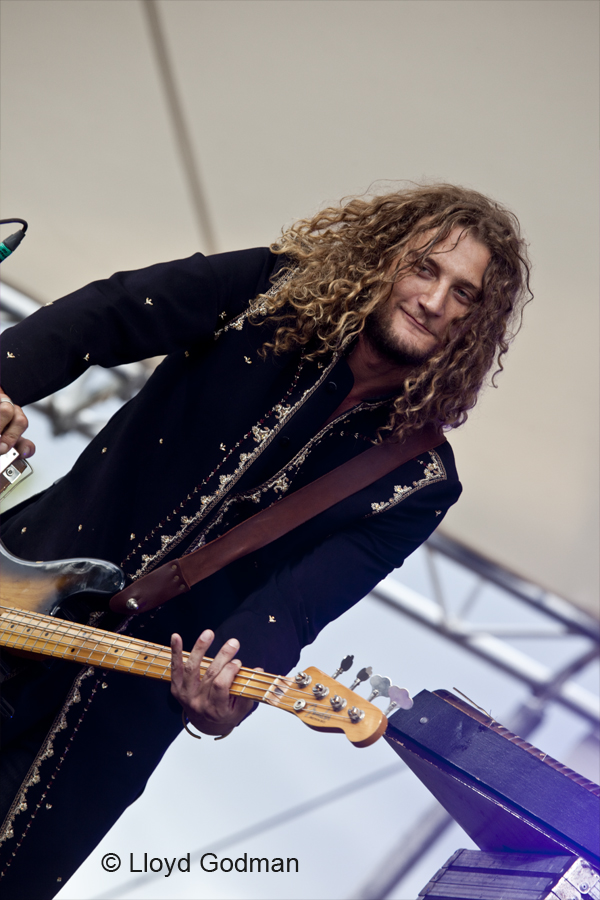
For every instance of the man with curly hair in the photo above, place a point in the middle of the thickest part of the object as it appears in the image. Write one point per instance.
(363, 324)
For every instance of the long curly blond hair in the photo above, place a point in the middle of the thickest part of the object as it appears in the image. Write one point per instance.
(344, 262)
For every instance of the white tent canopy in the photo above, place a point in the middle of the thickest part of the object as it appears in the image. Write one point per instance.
(135, 132)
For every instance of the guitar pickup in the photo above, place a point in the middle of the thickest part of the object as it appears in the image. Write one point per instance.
(13, 468)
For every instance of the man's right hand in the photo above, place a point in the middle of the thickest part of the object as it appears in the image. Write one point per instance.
(13, 423)
(205, 696)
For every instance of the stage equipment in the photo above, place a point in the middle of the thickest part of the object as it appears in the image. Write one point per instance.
(505, 793)
(474, 875)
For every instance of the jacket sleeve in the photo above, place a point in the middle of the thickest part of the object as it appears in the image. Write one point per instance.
(289, 610)
(127, 317)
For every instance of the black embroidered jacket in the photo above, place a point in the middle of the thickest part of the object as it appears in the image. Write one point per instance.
(216, 434)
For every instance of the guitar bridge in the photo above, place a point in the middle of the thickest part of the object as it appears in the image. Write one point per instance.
(13, 468)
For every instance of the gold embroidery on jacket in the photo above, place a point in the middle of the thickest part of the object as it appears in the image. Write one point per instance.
(281, 481)
(263, 436)
(45, 752)
(432, 472)
(239, 321)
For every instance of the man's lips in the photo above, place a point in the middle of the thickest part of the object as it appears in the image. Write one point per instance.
(415, 321)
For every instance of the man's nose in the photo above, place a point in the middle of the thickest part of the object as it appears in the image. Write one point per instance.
(434, 299)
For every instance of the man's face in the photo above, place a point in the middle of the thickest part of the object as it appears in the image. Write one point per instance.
(409, 327)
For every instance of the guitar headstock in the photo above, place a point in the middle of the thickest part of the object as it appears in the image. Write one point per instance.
(326, 705)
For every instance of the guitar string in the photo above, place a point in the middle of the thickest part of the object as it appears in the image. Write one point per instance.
(127, 646)
(53, 638)
(262, 683)
(159, 660)
(248, 688)
(64, 632)
(251, 680)
(59, 633)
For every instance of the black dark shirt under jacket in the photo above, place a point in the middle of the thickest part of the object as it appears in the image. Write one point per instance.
(217, 433)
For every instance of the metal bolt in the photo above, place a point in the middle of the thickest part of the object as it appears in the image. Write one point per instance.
(132, 603)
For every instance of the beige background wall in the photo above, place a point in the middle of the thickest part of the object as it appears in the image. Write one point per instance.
(291, 105)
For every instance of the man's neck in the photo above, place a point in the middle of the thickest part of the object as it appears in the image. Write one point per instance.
(374, 377)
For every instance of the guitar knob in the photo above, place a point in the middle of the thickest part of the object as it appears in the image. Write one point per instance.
(320, 691)
(400, 698)
(381, 686)
(302, 679)
(132, 604)
(355, 714)
(361, 676)
(345, 664)
(337, 702)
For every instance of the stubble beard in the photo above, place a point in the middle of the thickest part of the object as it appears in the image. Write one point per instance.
(379, 333)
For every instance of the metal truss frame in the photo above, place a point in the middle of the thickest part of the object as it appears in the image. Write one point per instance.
(557, 619)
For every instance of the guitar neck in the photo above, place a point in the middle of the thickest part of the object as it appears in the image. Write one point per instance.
(25, 631)
(32, 632)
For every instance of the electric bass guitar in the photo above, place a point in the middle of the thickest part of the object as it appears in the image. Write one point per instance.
(31, 594)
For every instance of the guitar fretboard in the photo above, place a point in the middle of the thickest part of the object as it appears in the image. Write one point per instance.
(45, 635)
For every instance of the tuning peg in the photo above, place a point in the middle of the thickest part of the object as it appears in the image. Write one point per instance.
(400, 698)
(381, 685)
(361, 676)
(345, 664)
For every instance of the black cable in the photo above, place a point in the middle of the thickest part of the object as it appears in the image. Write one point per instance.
(10, 244)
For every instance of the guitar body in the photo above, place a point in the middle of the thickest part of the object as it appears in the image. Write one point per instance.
(40, 587)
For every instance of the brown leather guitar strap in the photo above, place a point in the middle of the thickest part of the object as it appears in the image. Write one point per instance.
(176, 577)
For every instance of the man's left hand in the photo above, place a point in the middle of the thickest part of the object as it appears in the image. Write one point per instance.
(13, 423)
(205, 697)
